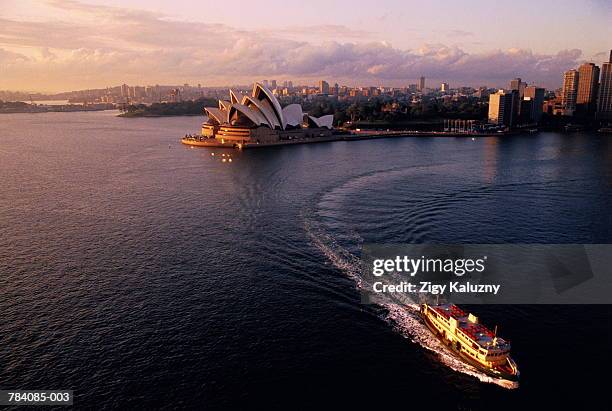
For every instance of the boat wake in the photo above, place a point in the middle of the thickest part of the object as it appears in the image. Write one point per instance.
(403, 316)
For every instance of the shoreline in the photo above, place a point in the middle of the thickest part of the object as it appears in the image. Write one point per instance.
(157, 115)
(213, 143)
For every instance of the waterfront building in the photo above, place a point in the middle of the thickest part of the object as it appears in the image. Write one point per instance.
(569, 92)
(502, 107)
(258, 118)
(586, 100)
(536, 96)
(526, 111)
(604, 104)
(553, 107)
(518, 86)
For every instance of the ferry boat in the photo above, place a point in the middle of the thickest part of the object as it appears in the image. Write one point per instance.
(470, 340)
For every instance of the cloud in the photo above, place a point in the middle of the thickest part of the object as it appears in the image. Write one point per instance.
(326, 31)
(458, 33)
(10, 58)
(602, 55)
(146, 48)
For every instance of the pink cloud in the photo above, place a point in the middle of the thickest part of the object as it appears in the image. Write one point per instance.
(145, 47)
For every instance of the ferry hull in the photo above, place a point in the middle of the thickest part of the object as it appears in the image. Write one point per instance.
(491, 372)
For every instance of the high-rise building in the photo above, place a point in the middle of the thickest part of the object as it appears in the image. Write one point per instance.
(272, 84)
(502, 107)
(323, 87)
(518, 85)
(604, 103)
(125, 90)
(265, 83)
(422, 83)
(444, 87)
(588, 74)
(536, 96)
(569, 92)
(336, 89)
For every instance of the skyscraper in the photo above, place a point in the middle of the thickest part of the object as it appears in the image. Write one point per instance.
(569, 92)
(604, 104)
(422, 83)
(518, 85)
(444, 87)
(272, 84)
(323, 87)
(502, 107)
(536, 94)
(588, 73)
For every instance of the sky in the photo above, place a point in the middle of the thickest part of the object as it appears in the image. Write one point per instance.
(59, 45)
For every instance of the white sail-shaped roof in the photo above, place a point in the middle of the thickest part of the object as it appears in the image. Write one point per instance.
(235, 96)
(224, 105)
(261, 92)
(293, 115)
(216, 115)
(256, 117)
(323, 121)
(326, 121)
(264, 108)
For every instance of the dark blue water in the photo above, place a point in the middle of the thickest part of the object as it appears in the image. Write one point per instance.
(145, 274)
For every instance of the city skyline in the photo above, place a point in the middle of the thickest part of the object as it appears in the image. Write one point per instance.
(53, 46)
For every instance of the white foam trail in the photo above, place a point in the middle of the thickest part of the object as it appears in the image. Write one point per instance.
(405, 317)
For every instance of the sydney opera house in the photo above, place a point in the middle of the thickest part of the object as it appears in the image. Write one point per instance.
(259, 119)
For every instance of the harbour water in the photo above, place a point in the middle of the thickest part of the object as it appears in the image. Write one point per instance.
(140, 272)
